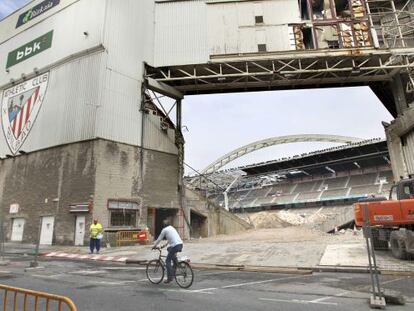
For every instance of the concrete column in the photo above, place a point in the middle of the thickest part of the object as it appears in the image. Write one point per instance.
(398, 91)
(179, 139)
(401, 127)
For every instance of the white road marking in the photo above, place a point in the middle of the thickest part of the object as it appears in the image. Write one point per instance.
(45, 276)
(107, 258)
(262, 282)
(124, 268)
(394, 280)
(111, 283)
(299, 301)
(329, 297)
(186, 291)
(84, 272)
(122, 259)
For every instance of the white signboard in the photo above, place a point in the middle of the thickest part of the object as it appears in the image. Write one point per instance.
(14, 208)
(383, 217)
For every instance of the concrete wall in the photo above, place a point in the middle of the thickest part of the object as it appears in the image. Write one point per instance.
(219, 221)
(400, 138)
(47, 182)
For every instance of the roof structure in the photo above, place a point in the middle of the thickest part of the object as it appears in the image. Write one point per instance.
(362, 155)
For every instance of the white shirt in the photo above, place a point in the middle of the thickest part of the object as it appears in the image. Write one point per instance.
(171, 235)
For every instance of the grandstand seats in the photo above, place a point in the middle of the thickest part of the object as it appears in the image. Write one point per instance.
(364, 190)
(360, 180)
(333, 183)
(322, 189)
(334, 194)
(305, 187)
(308, 196)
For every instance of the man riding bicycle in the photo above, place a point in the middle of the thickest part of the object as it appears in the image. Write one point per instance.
(175, 245)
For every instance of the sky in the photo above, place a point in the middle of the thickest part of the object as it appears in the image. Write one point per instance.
(218, 124)
(9, 6)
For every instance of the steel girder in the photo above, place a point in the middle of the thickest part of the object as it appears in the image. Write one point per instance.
(239, 152)
(286, 70)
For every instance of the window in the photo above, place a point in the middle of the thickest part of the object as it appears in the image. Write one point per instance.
(123, 213)
(393, 194)
(258, 19)
(408, 192)
(262, 47)
(303, 7)
(123, 218)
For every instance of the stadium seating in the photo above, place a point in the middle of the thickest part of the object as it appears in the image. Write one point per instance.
(333, 183)
(360, 180)
(322, 189)
(364, 190)
(308, 196)
(334, 194)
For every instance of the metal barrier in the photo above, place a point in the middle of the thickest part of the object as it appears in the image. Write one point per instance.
(32, 299)
(131, 236)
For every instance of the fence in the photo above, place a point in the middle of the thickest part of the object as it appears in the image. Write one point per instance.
(33, 300)
(124, 237)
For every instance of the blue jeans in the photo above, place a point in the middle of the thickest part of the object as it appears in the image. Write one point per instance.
(94, 243)
(172, 255)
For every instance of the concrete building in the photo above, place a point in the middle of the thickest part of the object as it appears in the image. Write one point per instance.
(83, 134)
(77, 143)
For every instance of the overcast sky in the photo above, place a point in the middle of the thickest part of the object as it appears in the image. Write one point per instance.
(220, 123)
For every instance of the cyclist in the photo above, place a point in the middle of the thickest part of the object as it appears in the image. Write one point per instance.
(175, 245)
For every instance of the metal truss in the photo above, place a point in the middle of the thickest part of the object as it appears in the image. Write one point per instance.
(286, 70)
(239, 152)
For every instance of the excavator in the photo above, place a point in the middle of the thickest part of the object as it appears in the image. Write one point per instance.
(392, 219)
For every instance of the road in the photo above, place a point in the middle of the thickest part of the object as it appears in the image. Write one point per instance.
(108, 286)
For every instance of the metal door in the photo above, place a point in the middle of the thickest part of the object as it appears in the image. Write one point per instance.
(80, 230)
(17, 229)
(46, 233)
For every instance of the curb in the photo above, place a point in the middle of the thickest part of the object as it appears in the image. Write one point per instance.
(224, 267)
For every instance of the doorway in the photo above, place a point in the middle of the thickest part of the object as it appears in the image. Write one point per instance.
(46, 233)
(160, 215)
(199, 227)
(17, 229)
(80, 230)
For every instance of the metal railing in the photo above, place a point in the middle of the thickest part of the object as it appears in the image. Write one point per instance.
(33, 300)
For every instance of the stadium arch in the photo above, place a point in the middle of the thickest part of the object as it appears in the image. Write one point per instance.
(278, 140)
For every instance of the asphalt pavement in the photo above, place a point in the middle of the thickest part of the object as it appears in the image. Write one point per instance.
(109, 286)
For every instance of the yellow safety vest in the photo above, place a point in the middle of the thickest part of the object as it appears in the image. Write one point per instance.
(95, 229)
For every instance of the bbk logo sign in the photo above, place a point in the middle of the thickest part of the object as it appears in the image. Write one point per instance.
(30, 49)
(19, 108)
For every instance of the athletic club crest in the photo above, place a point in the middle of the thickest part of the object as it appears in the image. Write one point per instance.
(19, 108)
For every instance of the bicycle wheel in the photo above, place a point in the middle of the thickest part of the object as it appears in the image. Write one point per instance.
(184, 275)
(155, 271)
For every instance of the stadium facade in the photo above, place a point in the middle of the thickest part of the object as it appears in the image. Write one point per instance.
(76, 142)
(82, 137)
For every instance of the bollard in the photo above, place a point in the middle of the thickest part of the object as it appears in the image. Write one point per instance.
(34, 263)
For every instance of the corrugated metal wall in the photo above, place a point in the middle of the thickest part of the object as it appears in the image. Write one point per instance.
(232, 27)
(69, 107)
(181, 33)
(68, 37)
(408, 150)
(8, 25)
(157, 139)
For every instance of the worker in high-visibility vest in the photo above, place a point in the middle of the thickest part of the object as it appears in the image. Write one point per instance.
(95, 233)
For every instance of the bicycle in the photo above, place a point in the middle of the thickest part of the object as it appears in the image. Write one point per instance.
(183, 273)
